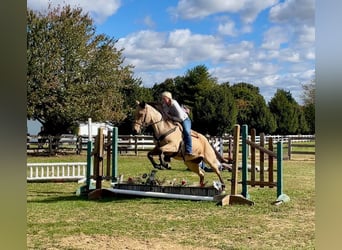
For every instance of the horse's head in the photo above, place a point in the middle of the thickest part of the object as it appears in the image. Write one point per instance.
(144, 116)
(141, 117)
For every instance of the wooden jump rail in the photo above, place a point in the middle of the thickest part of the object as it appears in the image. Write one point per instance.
(234, 197)
(262, 151)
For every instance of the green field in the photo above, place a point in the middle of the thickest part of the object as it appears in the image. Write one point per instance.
(58, 219)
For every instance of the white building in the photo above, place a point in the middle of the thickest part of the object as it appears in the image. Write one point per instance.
(83, 128)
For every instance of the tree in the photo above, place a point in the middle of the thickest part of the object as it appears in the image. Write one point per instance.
(72, 73)
(167, 85)
(212, 105)
(194, 84)
(252, 108)
(215, 112)
(308, 97)
(287, 113)
(133, 91)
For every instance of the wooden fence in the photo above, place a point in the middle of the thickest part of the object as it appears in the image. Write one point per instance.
(51, 145)
(135, 144)
(301, 145)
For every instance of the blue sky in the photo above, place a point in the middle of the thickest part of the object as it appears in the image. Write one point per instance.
(269, 43)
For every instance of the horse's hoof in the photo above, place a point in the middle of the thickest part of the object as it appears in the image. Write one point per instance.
(223, 192)
(158, 167)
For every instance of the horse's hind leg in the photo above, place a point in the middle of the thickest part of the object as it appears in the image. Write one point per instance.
(214, 166)
(194, 167)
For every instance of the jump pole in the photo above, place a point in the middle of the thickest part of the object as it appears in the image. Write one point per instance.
(244, 161)
(86, 188)
(115, 137)
(89, 150)
(281, 197)
(161, 195)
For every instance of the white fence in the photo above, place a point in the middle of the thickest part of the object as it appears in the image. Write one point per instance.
(58, 172)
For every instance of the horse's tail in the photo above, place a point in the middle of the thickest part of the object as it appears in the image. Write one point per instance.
(220, 157)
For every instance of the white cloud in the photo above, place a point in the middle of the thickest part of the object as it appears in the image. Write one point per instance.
(152, 50)
(252, 8)
(189, 9)
(248, 9)
(289, 55)
(270, 80)
(310, 55)
(99, 10)
(227, 28)
(275, 37)
(149, 22)
(306, 35)
(294, 11)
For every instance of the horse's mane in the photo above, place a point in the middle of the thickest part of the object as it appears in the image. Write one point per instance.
(159, 107)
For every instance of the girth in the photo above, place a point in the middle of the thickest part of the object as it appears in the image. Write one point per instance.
(162, 137)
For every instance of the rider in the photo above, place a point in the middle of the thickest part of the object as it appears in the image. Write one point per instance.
(176, 113)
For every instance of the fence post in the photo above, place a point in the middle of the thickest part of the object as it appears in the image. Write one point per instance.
(98, 158)
(289, 147)
(244, 161)
(89, 151)
(136, 145)
(109, 153)
(235, 157)
(281, 197)
(115, 154)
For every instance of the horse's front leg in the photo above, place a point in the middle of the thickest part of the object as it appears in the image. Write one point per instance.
(153, 152)
(165, 160)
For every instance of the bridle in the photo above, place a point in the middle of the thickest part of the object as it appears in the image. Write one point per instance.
(160, 138)
(143, 123)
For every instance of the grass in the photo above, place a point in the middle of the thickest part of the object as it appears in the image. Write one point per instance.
(58, 219)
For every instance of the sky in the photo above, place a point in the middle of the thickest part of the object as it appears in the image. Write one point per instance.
(269, 44)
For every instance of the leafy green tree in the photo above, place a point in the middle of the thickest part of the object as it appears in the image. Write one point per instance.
(308, 97)
(133, 91)
(215, 111)
(72, 73)
(286, 112)
(252, 108)
(212, 105)
(167, 85)
(194, 84)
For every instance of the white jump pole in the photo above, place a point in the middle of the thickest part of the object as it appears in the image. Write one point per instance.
(161, 195)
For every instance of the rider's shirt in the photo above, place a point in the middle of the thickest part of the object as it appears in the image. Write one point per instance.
(176, 112)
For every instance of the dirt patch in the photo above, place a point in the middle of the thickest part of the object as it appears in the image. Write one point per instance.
(113, 242)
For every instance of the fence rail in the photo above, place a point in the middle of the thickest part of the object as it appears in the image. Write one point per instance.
(133, 144)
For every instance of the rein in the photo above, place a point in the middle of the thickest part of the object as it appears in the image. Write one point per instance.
(162, 137)
(143, 123)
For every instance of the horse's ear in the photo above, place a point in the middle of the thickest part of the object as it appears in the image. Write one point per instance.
(141, 104)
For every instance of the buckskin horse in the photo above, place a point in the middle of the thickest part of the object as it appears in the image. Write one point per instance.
(168, 140)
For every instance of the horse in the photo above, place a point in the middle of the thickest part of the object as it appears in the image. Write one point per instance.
(168, 139)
